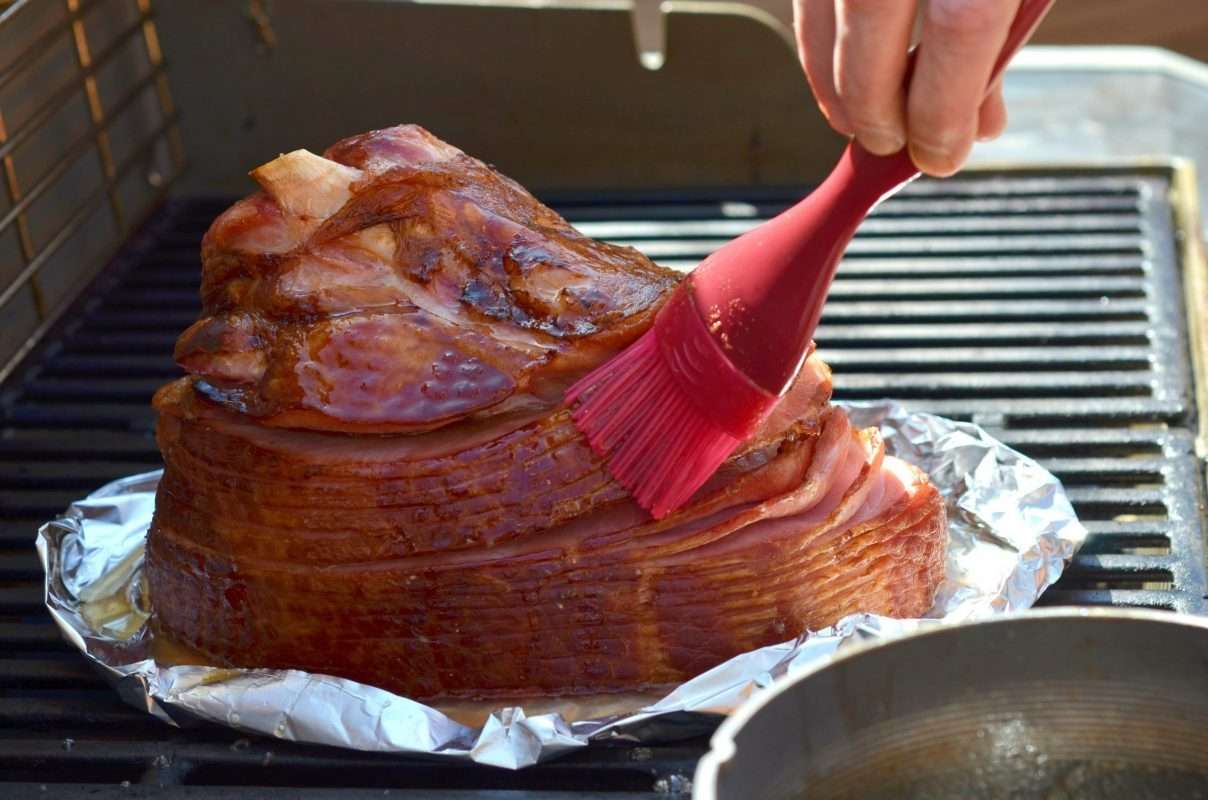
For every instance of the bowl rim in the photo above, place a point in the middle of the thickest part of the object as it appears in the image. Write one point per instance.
(723, 745)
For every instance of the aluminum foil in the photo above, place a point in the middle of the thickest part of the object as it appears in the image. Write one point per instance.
(1011, 530)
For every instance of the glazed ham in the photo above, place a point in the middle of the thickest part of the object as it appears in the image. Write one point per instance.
(370, 471)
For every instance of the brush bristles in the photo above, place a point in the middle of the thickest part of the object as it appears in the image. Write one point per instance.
(636, 414)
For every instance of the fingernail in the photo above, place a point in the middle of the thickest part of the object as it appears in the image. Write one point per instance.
(938, 161)
(881, 141)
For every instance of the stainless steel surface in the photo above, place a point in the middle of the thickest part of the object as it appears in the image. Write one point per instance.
(1055, 704)
(1103, 105)
(88, 145)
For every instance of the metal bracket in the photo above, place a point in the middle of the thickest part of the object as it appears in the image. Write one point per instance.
(649, 16)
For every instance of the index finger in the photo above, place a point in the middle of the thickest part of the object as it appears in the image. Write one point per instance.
(960, 43)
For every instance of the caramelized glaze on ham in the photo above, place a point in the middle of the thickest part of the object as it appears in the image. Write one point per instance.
(370, 473)
(399, 285)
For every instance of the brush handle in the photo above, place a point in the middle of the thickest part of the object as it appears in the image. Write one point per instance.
(762, 294)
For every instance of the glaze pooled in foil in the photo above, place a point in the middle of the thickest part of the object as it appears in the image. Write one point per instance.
(1011, 531)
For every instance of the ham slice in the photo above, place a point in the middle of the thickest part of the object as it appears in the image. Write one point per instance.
(369, 471)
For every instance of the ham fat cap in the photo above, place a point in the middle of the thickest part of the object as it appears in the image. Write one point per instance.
(369, 471)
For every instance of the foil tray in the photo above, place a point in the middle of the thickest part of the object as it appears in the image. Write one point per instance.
(1011, 532)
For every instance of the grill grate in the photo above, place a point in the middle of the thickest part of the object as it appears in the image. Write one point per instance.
(1047, 308)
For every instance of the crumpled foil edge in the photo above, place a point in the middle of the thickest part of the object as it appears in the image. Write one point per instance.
(1012, 529)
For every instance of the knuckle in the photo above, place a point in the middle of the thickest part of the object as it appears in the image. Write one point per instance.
(964, 18)
(925, 125)
(851, 84)
(937, 123)
(866, 91)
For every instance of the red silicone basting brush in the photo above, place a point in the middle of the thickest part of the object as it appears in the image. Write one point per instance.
(669, 409)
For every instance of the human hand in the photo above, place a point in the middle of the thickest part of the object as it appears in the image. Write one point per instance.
(854, 53)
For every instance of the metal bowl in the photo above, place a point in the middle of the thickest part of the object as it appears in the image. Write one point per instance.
(1053, 704)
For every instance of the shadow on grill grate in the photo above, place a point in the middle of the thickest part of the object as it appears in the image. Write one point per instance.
(1047, 309)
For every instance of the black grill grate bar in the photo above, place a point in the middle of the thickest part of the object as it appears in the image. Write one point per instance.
(27, 672)
(982, 359)
(48, 445)
(1148, 568)
(17, 532)
(108, 417)
(99, 708)
(1155, 600)
(25, 596)
(1083, 471)
(113, 389)
(627, 205)
(994, 384)
(636, 233)
(20, 569)
(180, 241)
(1008, 334)
(95, 341)
(39, 475)
(159, 365)
(1029, 310)
(141, 298)
(1053, 412)
(1006, 288)
(30, 635)
(229, 761)
(1130, 545)
(1070, 440)
(153, 319)
(1025, 187)
(1021, 266)
(41, 503)
(184, 279)
(906, 246)
(1139, 528)
(1034, 205)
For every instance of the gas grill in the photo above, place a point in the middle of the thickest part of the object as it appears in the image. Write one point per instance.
(1046, 307)
(1049, 306)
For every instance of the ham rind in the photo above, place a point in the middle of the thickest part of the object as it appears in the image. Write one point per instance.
(369, 471)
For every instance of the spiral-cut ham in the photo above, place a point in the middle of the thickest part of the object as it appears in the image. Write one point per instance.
(370, 472)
